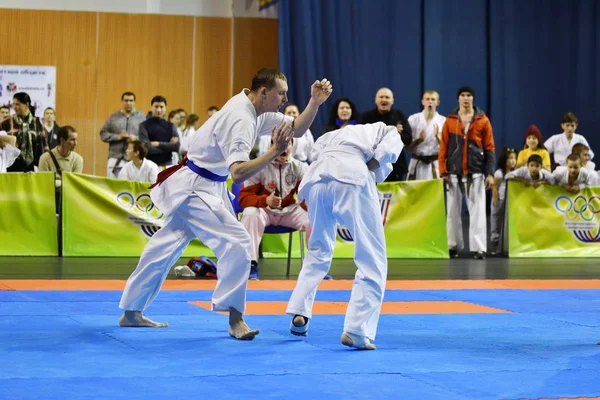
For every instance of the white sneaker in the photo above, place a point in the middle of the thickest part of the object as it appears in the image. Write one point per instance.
(184, 271)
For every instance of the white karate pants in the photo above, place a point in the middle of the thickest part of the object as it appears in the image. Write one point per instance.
(358, 209)
(218, 229)
(423, 171)
(475, 197)
(256, 219)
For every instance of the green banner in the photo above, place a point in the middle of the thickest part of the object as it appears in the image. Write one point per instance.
(110, 217)
(414, 219)
(549, 222)
(28, 221)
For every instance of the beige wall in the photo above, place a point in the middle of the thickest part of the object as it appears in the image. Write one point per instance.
(99, 55)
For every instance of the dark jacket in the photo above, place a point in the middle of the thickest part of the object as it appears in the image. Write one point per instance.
(162, 131)
(37, 144)
(470, 153)
(400, 168)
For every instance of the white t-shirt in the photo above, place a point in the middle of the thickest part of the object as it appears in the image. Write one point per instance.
(524, 173)
(562, 147)
(146, 173)
(418, 123)
(8, 155)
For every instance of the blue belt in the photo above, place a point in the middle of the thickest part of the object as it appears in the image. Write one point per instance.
(205, 173)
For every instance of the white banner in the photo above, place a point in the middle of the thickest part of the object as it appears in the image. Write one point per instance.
(39, 82)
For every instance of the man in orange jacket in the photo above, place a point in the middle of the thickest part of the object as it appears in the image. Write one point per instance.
(466, 160)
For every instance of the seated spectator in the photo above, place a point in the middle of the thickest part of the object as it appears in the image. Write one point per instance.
(343, 112)
(4, 113)
(192, 124)
(572, 177)
(533, 173)
(268, 199)
(139, 168)
(211, 110)
(160, 135)
(50, 129)
(562, 144)
(27, 130)
(8, 152)
(62, 158)
(534, 144)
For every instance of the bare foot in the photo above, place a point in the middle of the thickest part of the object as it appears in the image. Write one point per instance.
(358, 342)
(132, 319)
(238, 328)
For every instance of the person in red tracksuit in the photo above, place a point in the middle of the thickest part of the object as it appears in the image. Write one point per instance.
(466, 160)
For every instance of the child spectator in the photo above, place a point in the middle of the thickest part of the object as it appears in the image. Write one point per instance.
(572, 177)
(533, 173)
(506, 164)
(561, 145)
(534, 144)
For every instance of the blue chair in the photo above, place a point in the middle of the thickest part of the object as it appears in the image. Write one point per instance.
(273, 229)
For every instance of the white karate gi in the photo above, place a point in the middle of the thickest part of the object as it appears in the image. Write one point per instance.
(560, 176)
(338, 187)
(562, 147)
(430, 146)
(146, 173)
(198, 207)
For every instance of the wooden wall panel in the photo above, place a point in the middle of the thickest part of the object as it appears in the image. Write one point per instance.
(148, 55)
(68, 41)
(255, 47)
(213, 64)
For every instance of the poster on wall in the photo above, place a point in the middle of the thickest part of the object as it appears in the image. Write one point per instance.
(39, 82)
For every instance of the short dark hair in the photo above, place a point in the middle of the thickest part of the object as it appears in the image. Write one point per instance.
(4, 106)
(63, 132)
(172, 114)
(127, 94)
(578, 148)
(46, 109)
(266, 77)
(569, 118)
(535, 158)
(213, 108)
(140, 147)
(573, 157)
(158, 99)
(290, 105)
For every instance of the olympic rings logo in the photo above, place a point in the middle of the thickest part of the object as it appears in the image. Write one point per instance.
(586, 209)
(141, 206)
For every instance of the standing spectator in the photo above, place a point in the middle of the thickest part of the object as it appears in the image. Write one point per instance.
(4, 113)
(192, 124)
(159, 134)
(467, 166)
(212, 110)
(50, 128)
(120, 127)
(28, 130)
(343, 113)
(8, 152)
(561, 144)
(506, 164)
(426, 128)
(63, 158)
(534, 144)
(384, 100)
(139, 168)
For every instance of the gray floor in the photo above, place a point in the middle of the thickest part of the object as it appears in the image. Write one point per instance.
(462, 268)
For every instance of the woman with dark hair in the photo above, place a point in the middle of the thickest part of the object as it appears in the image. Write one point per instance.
(192, 123)
(28, 132)
(343, 113)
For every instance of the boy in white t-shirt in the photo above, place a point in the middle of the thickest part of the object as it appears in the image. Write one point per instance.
(572, 177)
(139, 168)
(532, 174)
